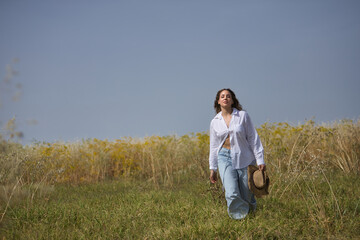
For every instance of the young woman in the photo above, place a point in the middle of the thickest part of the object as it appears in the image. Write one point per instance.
(234, 145)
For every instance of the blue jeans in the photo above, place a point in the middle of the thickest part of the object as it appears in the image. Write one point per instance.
(240, 200)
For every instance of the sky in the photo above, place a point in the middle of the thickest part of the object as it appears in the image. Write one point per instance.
(73, 70)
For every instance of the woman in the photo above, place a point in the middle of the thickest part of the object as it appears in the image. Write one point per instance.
(234, 145)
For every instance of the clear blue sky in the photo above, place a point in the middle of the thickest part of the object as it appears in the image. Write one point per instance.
(109, 69)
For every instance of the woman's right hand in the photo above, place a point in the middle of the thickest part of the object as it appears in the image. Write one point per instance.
(213, 176)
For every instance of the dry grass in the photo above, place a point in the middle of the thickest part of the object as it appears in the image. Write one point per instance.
(289, 151)
(300, 160)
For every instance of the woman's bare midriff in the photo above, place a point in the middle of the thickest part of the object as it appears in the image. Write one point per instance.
(227, 143)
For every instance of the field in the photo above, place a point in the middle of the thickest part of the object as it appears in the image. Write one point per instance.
(158, 188)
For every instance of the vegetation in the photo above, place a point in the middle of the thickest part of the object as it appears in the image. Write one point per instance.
(158, 188)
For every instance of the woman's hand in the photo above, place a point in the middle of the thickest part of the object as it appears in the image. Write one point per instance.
(213, 176)
(262, 167)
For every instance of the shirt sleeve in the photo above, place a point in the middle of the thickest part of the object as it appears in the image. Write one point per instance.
(254, 140)
(213, 148)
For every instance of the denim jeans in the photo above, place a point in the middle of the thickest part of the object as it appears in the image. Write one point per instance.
(240, 200)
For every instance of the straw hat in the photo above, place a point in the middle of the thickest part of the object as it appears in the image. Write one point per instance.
(258, 181)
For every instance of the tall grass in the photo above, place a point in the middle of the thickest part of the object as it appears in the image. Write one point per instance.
(161, 160)
(289, 150)
(302, 162)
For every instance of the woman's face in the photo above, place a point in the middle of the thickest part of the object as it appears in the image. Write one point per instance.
(225, 99)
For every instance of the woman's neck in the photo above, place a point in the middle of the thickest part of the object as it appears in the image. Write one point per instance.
(226, 111)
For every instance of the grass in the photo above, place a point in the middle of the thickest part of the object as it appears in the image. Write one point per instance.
(157, 188)
(131, 209)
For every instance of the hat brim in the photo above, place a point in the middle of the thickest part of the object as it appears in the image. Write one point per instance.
(258, 192)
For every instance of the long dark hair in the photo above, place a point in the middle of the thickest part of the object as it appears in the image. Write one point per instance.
(236, 103)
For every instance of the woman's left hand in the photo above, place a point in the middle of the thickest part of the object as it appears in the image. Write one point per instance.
(262, 167)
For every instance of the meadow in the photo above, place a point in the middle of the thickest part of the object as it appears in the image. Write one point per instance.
(158, 187)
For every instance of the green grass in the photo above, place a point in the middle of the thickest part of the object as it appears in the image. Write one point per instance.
(310, 208)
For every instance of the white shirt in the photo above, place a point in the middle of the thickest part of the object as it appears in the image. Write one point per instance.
(245, 144)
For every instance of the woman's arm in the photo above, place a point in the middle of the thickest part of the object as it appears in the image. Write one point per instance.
(214, 144)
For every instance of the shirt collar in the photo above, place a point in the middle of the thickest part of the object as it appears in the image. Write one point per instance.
(219, 115)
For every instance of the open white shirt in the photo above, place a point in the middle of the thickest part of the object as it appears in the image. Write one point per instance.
(245, 144)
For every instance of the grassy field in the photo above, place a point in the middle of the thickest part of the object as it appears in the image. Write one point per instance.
(158, 188)
(128, 209)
